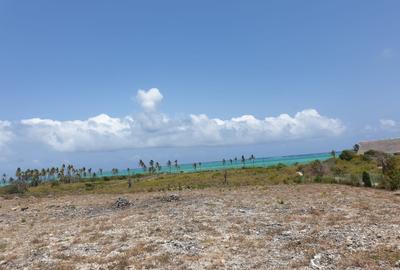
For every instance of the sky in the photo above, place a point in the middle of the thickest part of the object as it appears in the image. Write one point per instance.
(106, 83)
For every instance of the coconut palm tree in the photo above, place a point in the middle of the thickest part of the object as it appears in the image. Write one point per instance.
(158, 167)
(169, 164)
(18, 173)
(176, 165)
(151, 166)
(243, 161)
(252, 158)
(114, 171)
(142, 165)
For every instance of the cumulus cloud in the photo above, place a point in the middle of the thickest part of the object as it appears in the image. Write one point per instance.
(154, 129)
(6, 134)
(389, 125)
(149, 99)
(150, 129)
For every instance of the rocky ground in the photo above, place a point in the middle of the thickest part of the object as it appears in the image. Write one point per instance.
(273, 227)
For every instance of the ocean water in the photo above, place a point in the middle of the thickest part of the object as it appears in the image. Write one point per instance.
(218, 165)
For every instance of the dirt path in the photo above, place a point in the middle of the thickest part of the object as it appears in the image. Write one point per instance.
(276, 227)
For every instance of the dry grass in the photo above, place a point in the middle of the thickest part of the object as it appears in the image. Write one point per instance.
(274, 227)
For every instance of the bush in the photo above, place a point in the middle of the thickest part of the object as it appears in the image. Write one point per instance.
(391, 183)
(391, 172)
(376, 155)
(55, 183)
(18, 187)
(316, 168)
(366, 178)
(318, 179)
(89, 186)
(351, 180)
(347, 155)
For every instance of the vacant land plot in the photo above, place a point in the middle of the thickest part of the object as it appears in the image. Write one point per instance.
(268, 227)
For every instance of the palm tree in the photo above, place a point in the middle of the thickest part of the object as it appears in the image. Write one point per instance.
(169, 164)
(101, 171)
(142, 165)
(158, 167)
(128, 170)
(243, 161)
(18, 173)
(114, 171)
(333, 154)
(200, 164)
(151, 166)
(223, 162)
(4, 178)
(230, 161)
(176, 165)
(35, 178)
(43, 174)
(252, 158)
(195, 166)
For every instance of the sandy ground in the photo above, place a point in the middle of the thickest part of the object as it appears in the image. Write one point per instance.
(274, 227)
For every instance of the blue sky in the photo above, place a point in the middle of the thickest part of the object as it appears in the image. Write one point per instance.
(73, 60)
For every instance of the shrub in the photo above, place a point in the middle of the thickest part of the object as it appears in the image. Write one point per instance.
(317, 168)
(89, 186)
(318, 179)
(347, 155)
(366, 178)
(391, 172)
(376, 155)
(391, 183)
(18, 187)
(338, 171)
(55, 183)
(351, 180)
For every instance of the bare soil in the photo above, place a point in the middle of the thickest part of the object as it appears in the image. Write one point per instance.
(273, 227)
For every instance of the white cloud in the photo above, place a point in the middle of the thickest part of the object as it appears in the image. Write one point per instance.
(389, 125)
(154, 129)
(6, 134)
(388, 53)
(149, 99)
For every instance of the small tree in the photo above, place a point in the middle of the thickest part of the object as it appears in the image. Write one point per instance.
(244, 161)
(366, 178)
(356, 148)
(347, 155)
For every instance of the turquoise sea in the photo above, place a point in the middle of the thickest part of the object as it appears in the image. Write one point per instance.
(218, 165)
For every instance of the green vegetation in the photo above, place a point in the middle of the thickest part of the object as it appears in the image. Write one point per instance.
(366, 178)
(374, 169)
